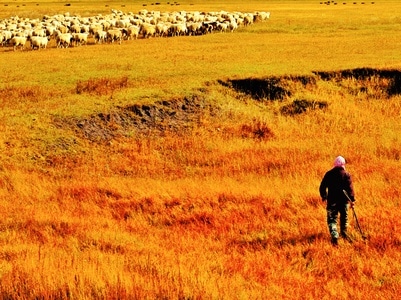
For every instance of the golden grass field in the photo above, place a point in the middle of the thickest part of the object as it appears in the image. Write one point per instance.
(214, 193)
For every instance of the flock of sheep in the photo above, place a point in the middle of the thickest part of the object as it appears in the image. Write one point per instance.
(117, 26)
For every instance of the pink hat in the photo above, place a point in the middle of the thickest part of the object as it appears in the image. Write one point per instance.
(339, 162)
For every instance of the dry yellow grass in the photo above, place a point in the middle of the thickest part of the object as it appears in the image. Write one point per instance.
(224, 204)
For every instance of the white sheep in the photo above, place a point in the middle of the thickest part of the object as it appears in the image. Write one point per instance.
(133, 32)
(178, 29)
(85, 28)
(162, 29)
(248, 19)
(261, 16)
(39, 32)
(148, 30)
(240, 21)
(222, 27)
(39, 42)
(137, 22)
(100, 36)
(93, 28)
(80, 38)
(63, 40)
(50, 30)
(122, 23)
(75, 28)
(194, 28)
(62, 28)
(7, 34)
(114, 35)
(106, 25)
(18, 41)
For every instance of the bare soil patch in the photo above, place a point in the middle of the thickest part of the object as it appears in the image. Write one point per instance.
(176, 115)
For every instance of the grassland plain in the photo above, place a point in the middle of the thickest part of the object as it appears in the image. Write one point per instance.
(182, 179)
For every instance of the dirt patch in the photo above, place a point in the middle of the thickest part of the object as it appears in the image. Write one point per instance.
(298, 107)
(387, 81)
(176, 115)
(270, 88)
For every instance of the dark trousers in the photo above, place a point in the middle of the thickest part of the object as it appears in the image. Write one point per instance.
(333, 210)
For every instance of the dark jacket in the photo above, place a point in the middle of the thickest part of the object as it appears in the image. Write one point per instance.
(333, 183)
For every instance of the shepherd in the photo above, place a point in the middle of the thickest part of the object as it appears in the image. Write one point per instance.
(332, 187)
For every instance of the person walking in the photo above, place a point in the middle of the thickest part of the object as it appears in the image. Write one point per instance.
(332, 187)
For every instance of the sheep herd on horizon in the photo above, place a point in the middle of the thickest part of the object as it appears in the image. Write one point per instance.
(72, 31)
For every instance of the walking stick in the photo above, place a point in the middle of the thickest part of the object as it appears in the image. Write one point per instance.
(356, 218)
